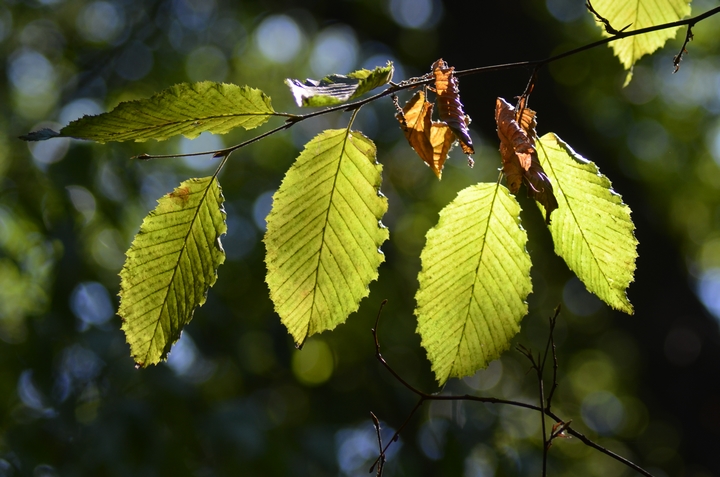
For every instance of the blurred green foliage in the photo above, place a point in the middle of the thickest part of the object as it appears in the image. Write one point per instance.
(236, 398)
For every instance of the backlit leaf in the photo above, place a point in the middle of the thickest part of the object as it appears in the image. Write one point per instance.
(170, 266)
(324, 233)
(187, 109)
(336, 89)
(640, 14)
(474, 281)
(592, 229)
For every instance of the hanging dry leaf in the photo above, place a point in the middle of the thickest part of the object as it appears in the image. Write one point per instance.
(520, 161)
(432, 141)
(442, 140)
(450, 109)
(415, 121)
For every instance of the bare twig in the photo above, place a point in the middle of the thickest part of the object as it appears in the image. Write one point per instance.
(558, 431)
(380, 463)
(538, 365)
(551, 345)
(683, 50)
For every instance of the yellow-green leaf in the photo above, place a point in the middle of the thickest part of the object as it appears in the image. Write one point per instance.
(474, 281)
(640, 14)
(324, 233)
(591, 228)
(336, 89)
(170, 266)
(187, 109)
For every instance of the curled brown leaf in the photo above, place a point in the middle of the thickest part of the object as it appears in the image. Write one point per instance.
(431, 140)
(519, 156)
(450, 109)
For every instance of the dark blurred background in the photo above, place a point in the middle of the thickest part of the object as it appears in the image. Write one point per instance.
(235, 397)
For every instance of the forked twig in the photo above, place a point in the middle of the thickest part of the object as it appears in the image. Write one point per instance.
(560, 430)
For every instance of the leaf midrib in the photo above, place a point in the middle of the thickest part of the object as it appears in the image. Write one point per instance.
(324, 229)
(477, 271)
(182, 122)
(608, 282)
(175, 268)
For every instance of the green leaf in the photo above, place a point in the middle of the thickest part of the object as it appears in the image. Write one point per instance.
(640, 14)
(324, 233)
(591, 228)
(474, 281)
(170, 266)
(336, 89)
(187, 109)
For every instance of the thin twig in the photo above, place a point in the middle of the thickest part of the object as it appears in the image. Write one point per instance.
(677, 58)
(423, 396)
(551, 345)
(381, 462)
(427, 79)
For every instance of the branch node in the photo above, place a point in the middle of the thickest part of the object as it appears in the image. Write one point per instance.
(604, 21)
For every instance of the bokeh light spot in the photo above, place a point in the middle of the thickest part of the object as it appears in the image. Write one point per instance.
(90, 302)
(708, 289)
(261, 209)
(602, 412)
(206, 63)
(31, 73)
(100, 22)
(204, 142)
(194, 14)
(419, 14)
(487, 378)
(566, 10)
(78, 108)
(313, 365)
(279, 38)
(135, 62)
(83, 201)
(335, 51)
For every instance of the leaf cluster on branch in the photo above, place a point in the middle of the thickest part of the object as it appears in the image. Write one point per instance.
(325, 229)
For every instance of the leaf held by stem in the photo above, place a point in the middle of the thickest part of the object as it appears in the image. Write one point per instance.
(450, 108)
(431, 140)
(516, 130)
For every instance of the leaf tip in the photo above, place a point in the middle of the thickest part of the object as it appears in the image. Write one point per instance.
(40, 135)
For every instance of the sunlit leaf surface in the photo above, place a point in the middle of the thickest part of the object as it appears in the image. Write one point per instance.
(591, 228)
(639, 14)
(336, 89)
(170, 266)
(186, 109)
(474, 281)
(324, 233)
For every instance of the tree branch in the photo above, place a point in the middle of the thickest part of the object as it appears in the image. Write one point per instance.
(557, 431)
(410, 83)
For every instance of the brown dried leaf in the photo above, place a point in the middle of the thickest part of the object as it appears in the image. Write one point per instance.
(450, 109)
(442, 139)
(520, 161)
(415, 120)
(432, 141)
